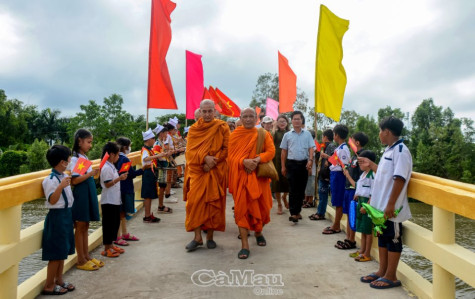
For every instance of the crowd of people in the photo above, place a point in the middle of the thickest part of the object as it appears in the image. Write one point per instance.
(238, 157)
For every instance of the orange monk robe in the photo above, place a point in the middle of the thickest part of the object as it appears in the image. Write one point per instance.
(252, 194)
(205, 192)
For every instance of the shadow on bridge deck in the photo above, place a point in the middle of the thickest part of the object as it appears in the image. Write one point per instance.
(159, 267)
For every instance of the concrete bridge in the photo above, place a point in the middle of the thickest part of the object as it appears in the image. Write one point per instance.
(298, 261)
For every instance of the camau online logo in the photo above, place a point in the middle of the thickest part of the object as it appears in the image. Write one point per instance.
(235, 278)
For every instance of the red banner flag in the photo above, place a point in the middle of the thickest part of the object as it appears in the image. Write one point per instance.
(207, 96)
(194, 83)
(104, 160)
(82, 165)
(351, 143)
(258, 111)
(125, 167)
(216, 99)
(236, 111)
(160, 91)
(287, 86)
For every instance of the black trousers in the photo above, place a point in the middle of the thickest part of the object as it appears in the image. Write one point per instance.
(297, 175)
(110, 223)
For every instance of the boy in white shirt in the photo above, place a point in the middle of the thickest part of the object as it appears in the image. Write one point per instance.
(389, 194)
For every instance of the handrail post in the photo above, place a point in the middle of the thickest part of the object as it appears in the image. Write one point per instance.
(10, 226)
(443, 232)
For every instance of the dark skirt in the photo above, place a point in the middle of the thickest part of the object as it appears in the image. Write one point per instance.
(128, 203)
(85, 206)
(149, 185)
(58, 235)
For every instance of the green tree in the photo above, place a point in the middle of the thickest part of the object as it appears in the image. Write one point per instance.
(11, 161)
(267, 87)
(37, 156)
(367, 124)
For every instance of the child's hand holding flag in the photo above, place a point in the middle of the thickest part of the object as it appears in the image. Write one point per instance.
(125, 167)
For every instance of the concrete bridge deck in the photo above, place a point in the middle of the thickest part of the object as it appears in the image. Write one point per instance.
(159, 267)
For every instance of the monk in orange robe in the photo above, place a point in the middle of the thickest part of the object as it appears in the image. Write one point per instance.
(204, 188)
(252, 194)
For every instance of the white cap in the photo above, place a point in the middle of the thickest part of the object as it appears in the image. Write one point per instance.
(148, 135)
(176, 119)
(186, 129)
(267, 119)
(158, 129)
(173, 122)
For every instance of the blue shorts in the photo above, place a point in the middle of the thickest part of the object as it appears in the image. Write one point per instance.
(337, 187)
(391, 237)
(349, 194)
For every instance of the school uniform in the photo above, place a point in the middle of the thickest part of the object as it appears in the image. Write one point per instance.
(158, 148)
(58, 233)
(149, 180)
(86, 206)
(110, 203)
(395, 163)
(127, 186)
(363, 192)
(337, 178)
(355, 172)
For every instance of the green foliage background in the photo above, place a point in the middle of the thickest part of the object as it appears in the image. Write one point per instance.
(440, 143)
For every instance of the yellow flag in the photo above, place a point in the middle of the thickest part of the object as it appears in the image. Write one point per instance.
(330, 75)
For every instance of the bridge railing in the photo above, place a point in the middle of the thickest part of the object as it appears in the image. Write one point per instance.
(447, 198)
(16, 244)
(449, 260)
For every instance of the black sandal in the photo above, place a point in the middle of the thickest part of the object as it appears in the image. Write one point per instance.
(243, 254)
(316, 217)
(347, 244)
(163, 211)
(261, 241)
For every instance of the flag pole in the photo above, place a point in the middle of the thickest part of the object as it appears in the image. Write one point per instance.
(146, 124)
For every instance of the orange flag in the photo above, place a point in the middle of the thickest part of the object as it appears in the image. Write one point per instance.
(319, 148)
(258, 111)
(352, 144)
(104, 160)
(160, 91)
(82, 165)
(287, 85)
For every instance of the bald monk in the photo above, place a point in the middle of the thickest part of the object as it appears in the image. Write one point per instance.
(197, 114)
(252, 195)
(205, 183)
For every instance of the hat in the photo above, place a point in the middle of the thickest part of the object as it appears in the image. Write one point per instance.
(173, 122)
(158, 129)
(186, 129)
(148, 135)
(267, 119)
(176, 119)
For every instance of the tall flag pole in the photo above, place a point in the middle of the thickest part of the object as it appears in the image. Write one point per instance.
(330, 75)
(287, 85)
(160, 93)
(194, 83)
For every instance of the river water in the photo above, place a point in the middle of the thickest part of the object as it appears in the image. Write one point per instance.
(35, 211)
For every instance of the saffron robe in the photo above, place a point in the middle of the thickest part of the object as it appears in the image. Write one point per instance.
(252, 194)
(205, 192)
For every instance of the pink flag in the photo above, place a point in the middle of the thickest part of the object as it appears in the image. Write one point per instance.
(272, 108)
(194, 83)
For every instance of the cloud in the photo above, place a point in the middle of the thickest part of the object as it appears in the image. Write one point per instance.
(60, 54)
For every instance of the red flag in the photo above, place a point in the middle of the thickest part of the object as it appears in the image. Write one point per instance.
(236, 111)
(287, 85)
(194, 83)
(82, 165)
(351, 143)
(335, 160)
(319, 148)
(160, 91)
(106, 156)
(258, 111)
(223, 109)
(207, 96)
(125, 167)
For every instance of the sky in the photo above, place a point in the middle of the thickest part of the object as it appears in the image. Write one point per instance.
(61, 54)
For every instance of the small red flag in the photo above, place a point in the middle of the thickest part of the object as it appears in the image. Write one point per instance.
(104, 160)
(351, 143)
(258, 111)
(82, 165)
(319, 148)
(125, 167)
(334, 160)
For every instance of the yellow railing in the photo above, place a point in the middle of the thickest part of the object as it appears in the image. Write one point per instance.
(16, 244)
(447, 198)
(449, 260)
